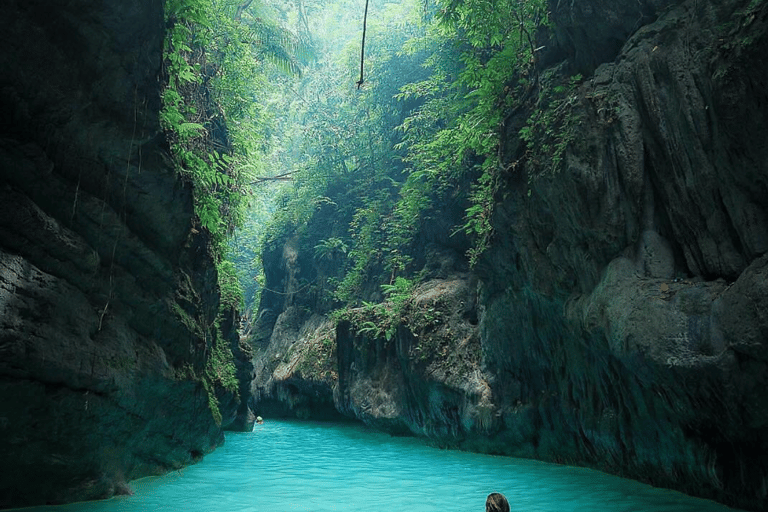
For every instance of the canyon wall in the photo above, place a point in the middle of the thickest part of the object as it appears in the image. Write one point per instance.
(619, 319)
(108, 292)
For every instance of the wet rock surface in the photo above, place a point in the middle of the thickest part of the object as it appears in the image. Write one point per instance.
(105, 288)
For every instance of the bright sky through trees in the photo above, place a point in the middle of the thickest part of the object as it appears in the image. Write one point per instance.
(440, 77)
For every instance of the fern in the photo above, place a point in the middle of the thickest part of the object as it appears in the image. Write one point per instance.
(326, 249)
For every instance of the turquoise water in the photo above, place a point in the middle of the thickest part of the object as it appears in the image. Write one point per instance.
(285, 466)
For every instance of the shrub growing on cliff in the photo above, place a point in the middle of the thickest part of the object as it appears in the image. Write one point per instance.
(229, 285)
(551, 126)
(483, 61)
(330, 247)
(374, 320)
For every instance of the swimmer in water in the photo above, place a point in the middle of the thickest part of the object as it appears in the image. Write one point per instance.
(496, 502)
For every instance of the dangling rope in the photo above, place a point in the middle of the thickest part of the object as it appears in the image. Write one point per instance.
(362, 48)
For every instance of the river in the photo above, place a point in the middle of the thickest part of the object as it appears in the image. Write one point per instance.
(285, 466)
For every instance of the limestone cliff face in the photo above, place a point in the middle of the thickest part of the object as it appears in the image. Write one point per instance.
(107, 292)
(624, 299)
(620, 318)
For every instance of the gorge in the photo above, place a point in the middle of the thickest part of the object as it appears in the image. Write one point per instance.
(616, 318)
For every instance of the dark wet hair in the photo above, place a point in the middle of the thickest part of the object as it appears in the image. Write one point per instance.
(496, 502)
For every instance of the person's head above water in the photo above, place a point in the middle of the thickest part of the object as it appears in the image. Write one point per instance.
(496, 502)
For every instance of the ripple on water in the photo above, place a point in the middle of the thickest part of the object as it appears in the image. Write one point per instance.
(285, 466)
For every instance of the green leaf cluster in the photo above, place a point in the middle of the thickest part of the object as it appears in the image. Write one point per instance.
(218, 55)
(551, 128)
(483, 66)
(375, 320)
(329, 247)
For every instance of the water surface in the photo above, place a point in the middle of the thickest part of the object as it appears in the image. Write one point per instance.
(285, 466)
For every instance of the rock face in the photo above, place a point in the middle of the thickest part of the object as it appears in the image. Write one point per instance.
(623, 295)
(106, 290)
(620, 318)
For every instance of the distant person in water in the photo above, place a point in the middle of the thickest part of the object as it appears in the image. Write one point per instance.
(496, 502)
(259, 421)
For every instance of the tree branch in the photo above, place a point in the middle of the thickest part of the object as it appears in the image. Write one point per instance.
(286, 176)
(242, 7)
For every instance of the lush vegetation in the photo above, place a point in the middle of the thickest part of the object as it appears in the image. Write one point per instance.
(373, 164)
(264, 110)
(483, 66)
(219, 55)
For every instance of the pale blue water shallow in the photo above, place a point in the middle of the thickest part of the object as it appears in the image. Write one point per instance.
(285, 466)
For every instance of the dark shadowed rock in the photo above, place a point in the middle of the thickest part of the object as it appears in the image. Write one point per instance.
(105, 287)
(620, 295)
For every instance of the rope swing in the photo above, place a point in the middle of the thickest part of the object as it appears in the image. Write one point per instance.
(362, 48)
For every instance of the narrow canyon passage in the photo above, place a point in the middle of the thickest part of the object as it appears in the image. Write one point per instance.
(529, 228)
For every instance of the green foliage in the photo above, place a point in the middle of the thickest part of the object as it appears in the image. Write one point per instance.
(391, 311)
(443, 78)
(245, 247)
(189, 322)
(329, 248)
(551, 128)
(366, 237)
(213, 402)
(374, 320)
(479, 214)
(217, 55)
(319, 361)
(473, 85)
(220, 370)
(230, 286)
(221, 365)
(399, 291)
(186, 113)
(339, 144)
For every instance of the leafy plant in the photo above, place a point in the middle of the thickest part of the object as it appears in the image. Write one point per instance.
(551, 126)
(398, 291)
(229, 285)
(330, 247)
(456, 128)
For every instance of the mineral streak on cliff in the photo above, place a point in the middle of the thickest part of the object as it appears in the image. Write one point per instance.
(107, 293)
(620, 318)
